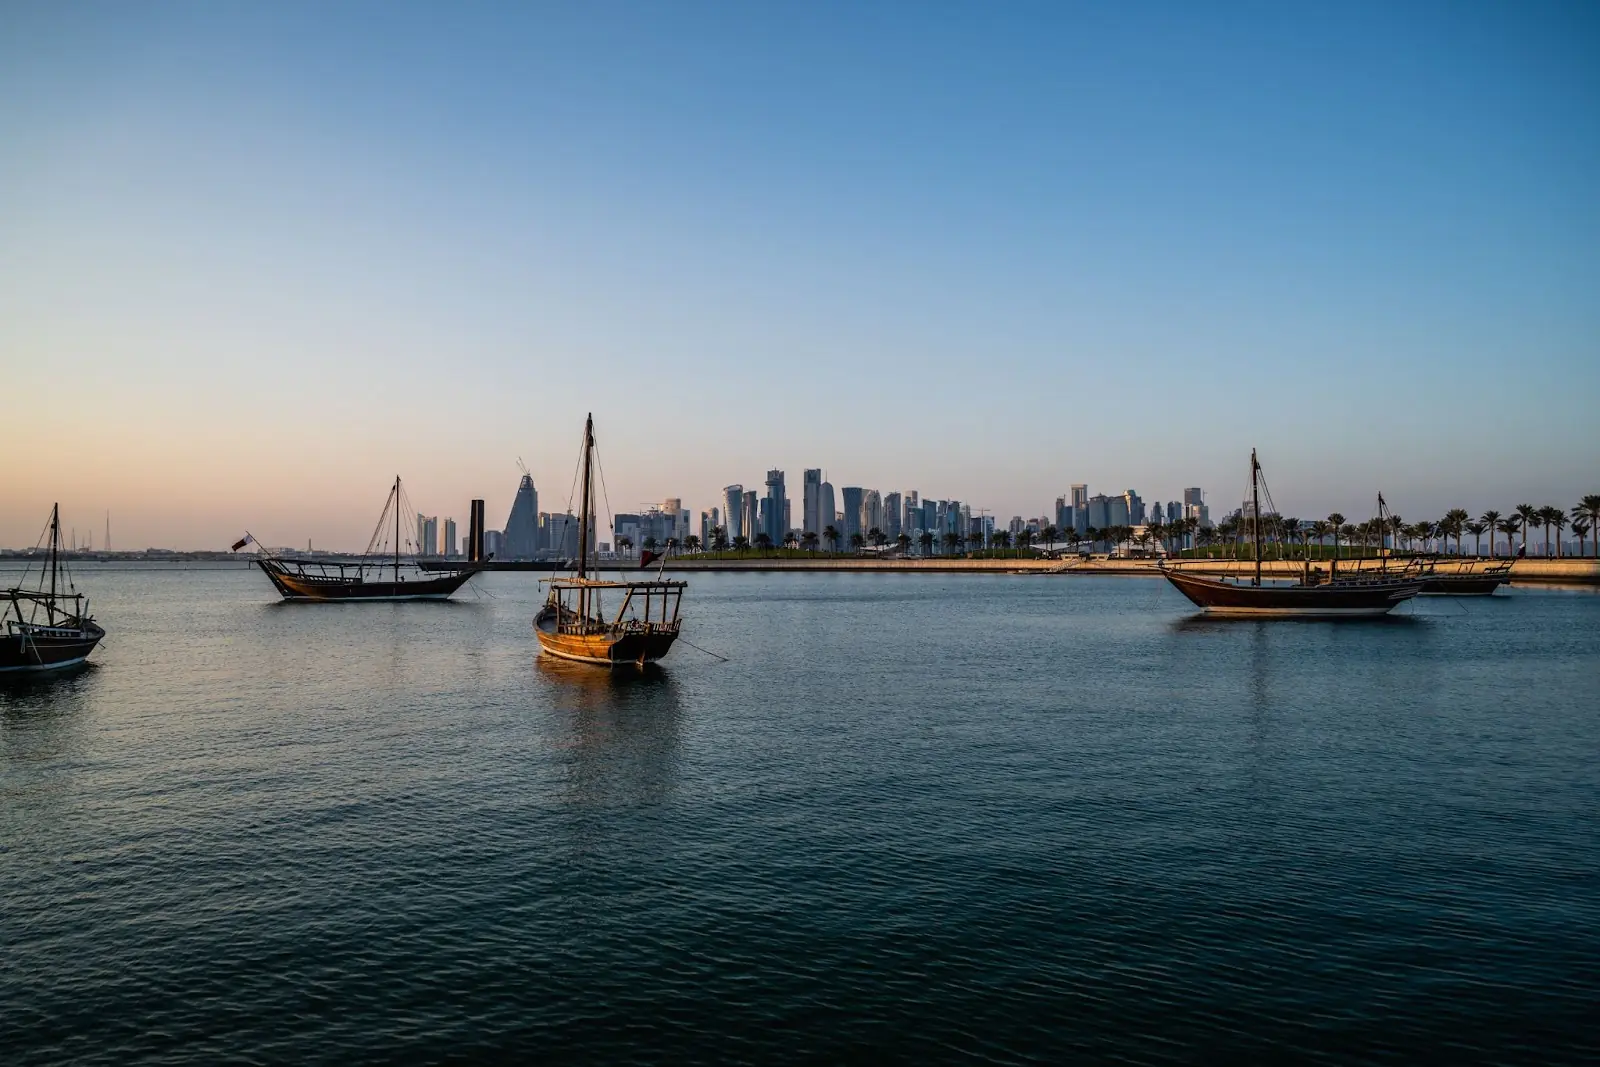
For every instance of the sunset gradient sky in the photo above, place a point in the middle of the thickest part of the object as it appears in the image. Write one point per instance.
(257, 258)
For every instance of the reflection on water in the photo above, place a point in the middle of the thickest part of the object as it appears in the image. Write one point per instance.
(621, 728)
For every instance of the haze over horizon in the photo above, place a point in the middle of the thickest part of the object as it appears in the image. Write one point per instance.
(256, 261)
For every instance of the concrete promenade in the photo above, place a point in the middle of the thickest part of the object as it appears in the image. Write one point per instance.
(1543, 571)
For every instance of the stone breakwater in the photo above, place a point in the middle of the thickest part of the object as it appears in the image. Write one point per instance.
(1544, 571)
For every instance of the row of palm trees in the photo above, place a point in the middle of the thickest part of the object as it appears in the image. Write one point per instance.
(1390, 531)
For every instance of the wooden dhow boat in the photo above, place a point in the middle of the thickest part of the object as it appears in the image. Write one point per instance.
(46, 628)
(1362, 594)
(374, 575)
(1467, 577)
(574, 623)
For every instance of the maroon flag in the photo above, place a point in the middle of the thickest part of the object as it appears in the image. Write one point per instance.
(647, 557)
(237, 545)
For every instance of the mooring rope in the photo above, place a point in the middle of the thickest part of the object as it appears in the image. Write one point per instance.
(707, 651)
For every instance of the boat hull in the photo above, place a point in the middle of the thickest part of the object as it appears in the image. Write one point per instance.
(608, 648)
(1467, 585)
(35, 653)
(302, 587)
(1335, 600)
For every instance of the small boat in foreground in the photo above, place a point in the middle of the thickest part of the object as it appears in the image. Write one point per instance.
(1365, 593)
(47, 629)
(376, 575)
(573, 624)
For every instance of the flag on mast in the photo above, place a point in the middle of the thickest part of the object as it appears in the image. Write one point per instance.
(237, 545)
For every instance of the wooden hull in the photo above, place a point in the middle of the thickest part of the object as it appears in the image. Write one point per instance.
(1337, 600)
(1464, 584)
(606, 648)
(35, 653)
(304, 587)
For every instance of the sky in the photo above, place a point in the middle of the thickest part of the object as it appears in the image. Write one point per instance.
(257, 259)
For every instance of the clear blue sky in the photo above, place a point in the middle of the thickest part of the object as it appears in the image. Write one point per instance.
(261, 257)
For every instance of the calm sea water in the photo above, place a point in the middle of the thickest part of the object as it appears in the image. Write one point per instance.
(913, 817)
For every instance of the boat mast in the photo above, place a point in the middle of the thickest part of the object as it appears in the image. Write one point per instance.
(55, 544)
(1255, 507)
(397, 530)
(583, 517)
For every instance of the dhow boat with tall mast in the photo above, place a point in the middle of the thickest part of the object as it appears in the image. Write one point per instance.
(379, 573)
(574, 623)
(1357, 594)
(48, 627)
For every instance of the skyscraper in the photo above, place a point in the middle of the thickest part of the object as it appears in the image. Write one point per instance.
(1135, 507)
(448, 549)
(1080, 508)
(825, 507)
(891, 516)
(522, 525)
(872, 511)
(777, 507)
(811, 503)
(750, 522)
(852, 514)
(1097, 512)
(733, 510)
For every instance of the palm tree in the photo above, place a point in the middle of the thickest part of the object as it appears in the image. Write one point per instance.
(719, 538)
(1491, 521)
(1001, 539)
(1536, 519)
(741, 544)
(1509, 526)
(692, 543)
(1581, 527)
(624, 542)
(1024, 540)
(1050, 534)
(925, 539)
(1336, 521)
(950, 539)
(1476, 530)
(791, 540)
(1525, 512)
(1071, 536)
(1456, 517)
(830, 534)
(903, 542)
(810, 541)
(877, 537)
(1591, 511)
(650, 544)
(856, 541)
(1553, 516)
(763, 541)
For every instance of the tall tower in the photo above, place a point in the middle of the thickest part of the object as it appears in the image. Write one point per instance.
(776, 507)
(522, 525)
(733, 511)
(811, 516)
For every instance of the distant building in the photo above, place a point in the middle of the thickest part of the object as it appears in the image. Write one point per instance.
(733, 509)
(751, 523)
(493, 544)
(775, 525)
(1117, 508)
(1080, 508)
(811, 503)
(522, 525)
(626, 533)
(562, 534)
(1193, 497)
(1135, 507)
(448, 549)
(825, 508)
(891, 516)
(852, 514)
(871, 511)
(427, 535)
(1097, 512)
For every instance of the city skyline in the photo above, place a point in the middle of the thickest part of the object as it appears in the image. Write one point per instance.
(261, 260)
